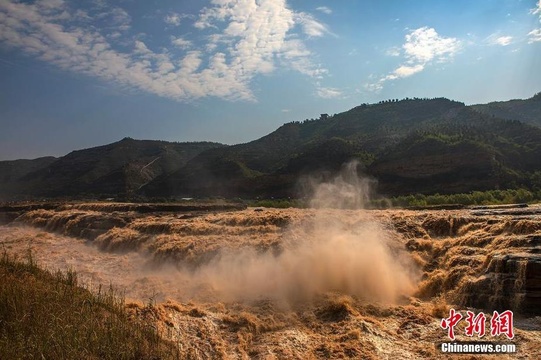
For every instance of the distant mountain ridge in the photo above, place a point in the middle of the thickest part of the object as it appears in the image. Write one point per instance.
(527, 111)
(409, 146)
(120, 168)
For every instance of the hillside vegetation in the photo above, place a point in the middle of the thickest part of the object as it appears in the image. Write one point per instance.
(408, 146)
(528, 111)
(120, 168)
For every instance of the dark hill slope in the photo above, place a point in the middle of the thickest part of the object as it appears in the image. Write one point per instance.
(409, 146)
(15, 169)
(473, 152)
(528, 111)
(12, 171)
(115, 169)
(414, 145)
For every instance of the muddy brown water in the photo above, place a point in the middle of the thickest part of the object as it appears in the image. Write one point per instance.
(300, 283)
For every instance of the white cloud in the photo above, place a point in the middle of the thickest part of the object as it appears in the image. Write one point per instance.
(121, 18)
(311, 26)
(258, 32)
(421, 47)
(495, 39)
(424, 45)
(324, 9)
(328, 93)
(51, 4)
(172, 19)
(116, 17)
(537, 9)
(405, 70)
(504, 40)
(534, 36)
(245, 38)
(393, 51)
(296, 56)
(375, 87)
(180, 42)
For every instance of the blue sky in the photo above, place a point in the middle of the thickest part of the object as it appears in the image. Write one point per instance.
(77, 74)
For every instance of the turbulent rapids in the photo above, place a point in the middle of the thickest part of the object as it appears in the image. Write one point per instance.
(269, 283)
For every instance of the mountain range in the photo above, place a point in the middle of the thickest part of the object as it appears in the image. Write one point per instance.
(407, 146)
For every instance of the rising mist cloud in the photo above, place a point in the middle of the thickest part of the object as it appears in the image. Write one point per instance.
(327, 254)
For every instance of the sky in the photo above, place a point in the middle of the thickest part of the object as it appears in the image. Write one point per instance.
(78, 74)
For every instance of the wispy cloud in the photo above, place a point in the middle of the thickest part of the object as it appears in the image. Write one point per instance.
(495, 39)
(537, 9)
(244, 39)
(504, 40)
(172, 19)
(324, 9)
(311, 26)
(393, 51)
(534, 36)
(115, 16)
(328, 93)
(422, 47)
(180, 42)
(296, 56)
